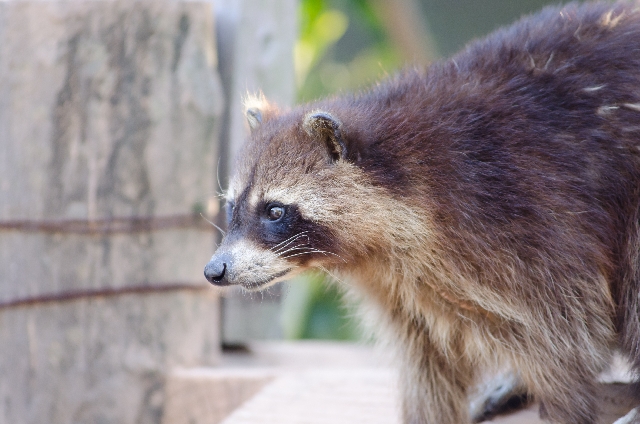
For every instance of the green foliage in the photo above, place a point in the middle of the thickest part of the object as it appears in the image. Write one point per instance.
(342, 46)
(314, 309)
(320, 29)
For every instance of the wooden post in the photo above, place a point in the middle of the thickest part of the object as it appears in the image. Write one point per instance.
(109, 116)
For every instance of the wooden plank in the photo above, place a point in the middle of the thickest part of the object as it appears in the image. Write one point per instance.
(336, 396)
(208, 395)
(326, 383)
(367, 396)
(101, 360)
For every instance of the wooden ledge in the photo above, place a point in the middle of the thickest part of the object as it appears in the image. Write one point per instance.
(313, 383)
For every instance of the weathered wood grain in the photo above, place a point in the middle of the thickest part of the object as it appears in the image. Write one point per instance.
(109, 110)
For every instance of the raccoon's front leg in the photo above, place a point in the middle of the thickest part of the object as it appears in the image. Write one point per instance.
(434, 391)
(501, 393)
(567, 387)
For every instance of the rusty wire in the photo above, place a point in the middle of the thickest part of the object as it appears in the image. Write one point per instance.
(72, 295)
(105, 227)
(108, 225)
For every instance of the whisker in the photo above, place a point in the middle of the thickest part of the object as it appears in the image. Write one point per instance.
(324, 252)
(285, 243)
(296, 254)
(332, 275)
(216, 193)
(282, 245)
(292, 237)
(218, 228)
(218, 175)
(309, 251)
(301, 247)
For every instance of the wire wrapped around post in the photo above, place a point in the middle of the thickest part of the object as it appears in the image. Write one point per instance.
(110, 225)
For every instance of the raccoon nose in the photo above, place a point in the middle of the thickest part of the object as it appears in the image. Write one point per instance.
(216, 270)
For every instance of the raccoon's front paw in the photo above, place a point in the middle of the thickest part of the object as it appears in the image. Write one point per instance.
(503, 393)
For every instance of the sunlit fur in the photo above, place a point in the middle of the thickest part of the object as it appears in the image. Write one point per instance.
(487, 208)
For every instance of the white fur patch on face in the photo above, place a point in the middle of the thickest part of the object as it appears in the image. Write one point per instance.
(256, 268)
(254, 199)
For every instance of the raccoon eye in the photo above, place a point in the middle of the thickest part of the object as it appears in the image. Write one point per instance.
(275, 212)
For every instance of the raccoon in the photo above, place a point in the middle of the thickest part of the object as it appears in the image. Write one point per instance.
(488, 207)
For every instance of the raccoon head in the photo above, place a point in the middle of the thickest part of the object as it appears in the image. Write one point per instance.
(297, 200)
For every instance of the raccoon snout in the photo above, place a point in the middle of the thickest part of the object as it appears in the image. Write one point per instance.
(216, 270)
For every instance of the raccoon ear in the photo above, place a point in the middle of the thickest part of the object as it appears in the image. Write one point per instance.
(254, 117)
(323, 125)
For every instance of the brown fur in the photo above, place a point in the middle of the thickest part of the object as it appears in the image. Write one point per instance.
(488, 206)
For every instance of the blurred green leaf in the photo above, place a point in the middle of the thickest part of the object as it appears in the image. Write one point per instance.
(342, 46)
(314, 309)
(319, 33)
